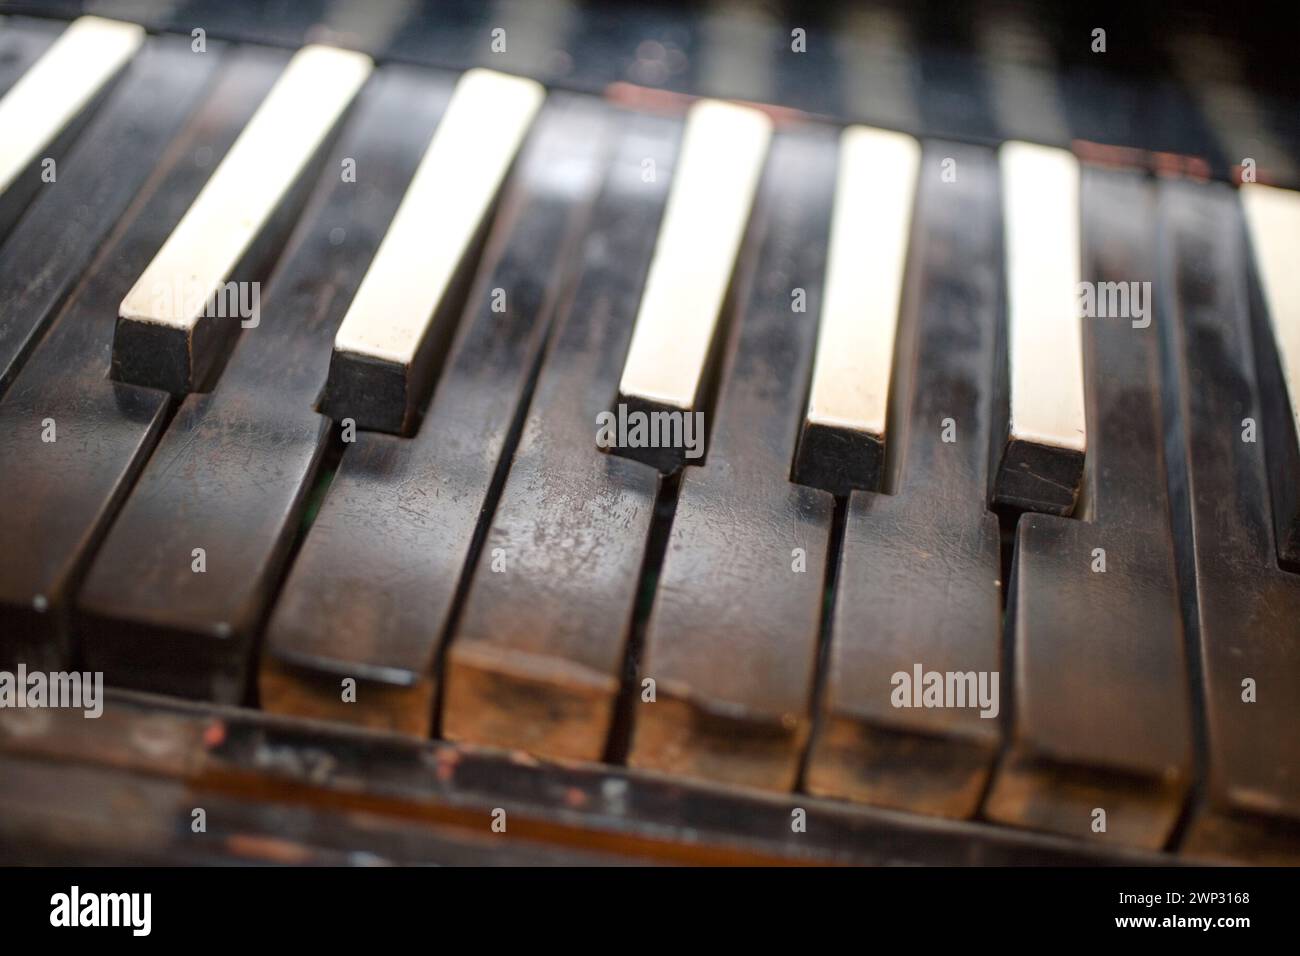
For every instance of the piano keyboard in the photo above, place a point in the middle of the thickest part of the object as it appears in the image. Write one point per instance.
(718, 442)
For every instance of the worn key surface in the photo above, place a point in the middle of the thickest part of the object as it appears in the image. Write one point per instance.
(231, 473)
(1101, 718)
(374, 585)
(537, 661)
(733, 636)
(46, 254)
(917, 585)
(1244, 611)
(102, 430)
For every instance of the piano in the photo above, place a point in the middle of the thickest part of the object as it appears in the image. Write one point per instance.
(556, 432)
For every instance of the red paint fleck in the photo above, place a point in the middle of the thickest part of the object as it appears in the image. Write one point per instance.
(257, 847)
(1165, 164)
(1105, 154)
(448, 758)
(652, 100)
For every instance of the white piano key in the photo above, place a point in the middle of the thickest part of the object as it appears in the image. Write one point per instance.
(1023, 77)
(709, 202)
(370, 26)
(842, 442)
(51, 96)
(167, 336)
(387, 343)
(876, 54)
(738, 43)
(536, 35)
(1043, 433)
(1273, 221)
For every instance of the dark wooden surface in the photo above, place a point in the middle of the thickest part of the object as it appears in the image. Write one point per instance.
(732, 640)
(376, 582)
(49, 821)
(1101, 717)
(547, 657)
(1243, 612)
(537, 661)
(918, 579)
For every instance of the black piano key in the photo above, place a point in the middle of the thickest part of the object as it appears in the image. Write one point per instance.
(918, 582)
(232, 471)
(732, 640)
(50, 248)
(1173, 123)
(374, 585)
(641, 44)
(537, 661)
(1101, 719)
(1018, 53)
(955, 98)
(1127, 95)
(283, 23)
(864, 67)
(368, 28)
(451, 34)
(102, 430)
(1243, 612)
